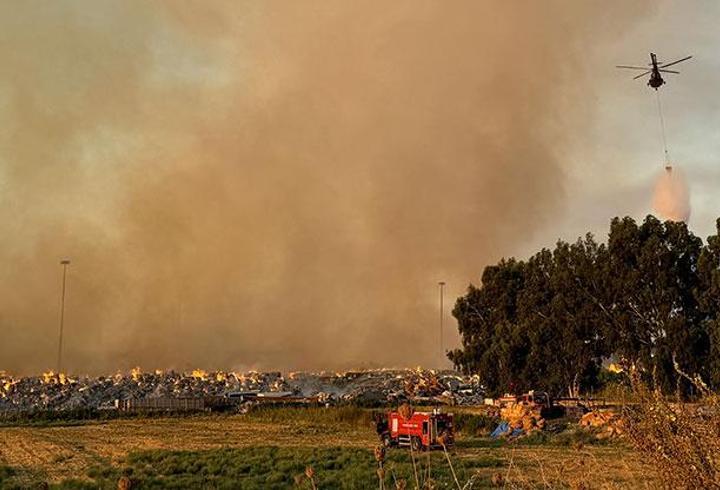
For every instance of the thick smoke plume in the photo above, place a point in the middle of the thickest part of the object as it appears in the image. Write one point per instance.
(671, 199)
(273, 184)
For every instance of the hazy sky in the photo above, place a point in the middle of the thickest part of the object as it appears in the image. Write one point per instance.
(618, 153)
(282, 184)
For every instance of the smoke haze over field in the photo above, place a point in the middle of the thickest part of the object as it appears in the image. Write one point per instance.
(274, 184)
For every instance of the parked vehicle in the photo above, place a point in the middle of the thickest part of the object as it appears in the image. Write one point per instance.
(421, 431)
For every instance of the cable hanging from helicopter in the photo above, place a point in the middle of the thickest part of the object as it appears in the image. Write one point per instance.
(668, 166)
(656, 81)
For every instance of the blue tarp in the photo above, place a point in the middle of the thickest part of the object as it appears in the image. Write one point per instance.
(500, 430)
(503, 428)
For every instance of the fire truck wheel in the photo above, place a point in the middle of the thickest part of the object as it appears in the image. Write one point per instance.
(416, 444)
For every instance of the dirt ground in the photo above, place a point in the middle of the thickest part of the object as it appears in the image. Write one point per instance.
(68, 451)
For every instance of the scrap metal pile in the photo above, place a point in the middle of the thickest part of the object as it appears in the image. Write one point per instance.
(365, 387)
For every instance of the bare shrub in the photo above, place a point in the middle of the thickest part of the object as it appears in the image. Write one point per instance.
(682, 440)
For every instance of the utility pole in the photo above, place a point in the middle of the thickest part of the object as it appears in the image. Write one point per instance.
(64, 263)
(442, 294)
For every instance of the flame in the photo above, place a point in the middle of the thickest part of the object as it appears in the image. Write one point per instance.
(51, 377)
(7, 386)
(199, 374)
(615, 368)
(135, 373)
(220, 377)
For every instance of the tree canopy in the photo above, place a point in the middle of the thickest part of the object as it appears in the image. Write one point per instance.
(648, 297)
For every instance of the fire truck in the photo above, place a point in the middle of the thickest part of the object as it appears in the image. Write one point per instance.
(421, 431)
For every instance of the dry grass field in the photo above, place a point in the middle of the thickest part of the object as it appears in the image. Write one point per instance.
(59, 453)
(66, 451)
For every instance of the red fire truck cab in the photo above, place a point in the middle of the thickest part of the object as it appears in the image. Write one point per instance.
(420, 431)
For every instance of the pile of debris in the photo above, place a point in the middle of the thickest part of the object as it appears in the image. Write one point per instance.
(59, 391)
(367, 387)
(608, 423)
(518, 419)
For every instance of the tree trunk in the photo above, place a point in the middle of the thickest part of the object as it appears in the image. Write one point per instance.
(574, 388)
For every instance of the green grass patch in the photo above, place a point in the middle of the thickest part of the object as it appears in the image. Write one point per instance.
(479, 442)
(81, 485)
(12, 478)
(573, 436)
(273, 468)
(316, 416)
(474, 425)
(82, 416)
(6, 473)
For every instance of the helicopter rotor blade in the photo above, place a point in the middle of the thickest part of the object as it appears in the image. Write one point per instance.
(642, 74)
(667, 71)
(665, 65)
(632, 67)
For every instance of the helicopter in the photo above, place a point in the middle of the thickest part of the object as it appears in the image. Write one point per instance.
(656, 80)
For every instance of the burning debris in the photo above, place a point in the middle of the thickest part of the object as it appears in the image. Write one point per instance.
(58, 391)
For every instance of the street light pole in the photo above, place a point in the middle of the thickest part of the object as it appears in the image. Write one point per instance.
(64, 263)
(442, 294)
